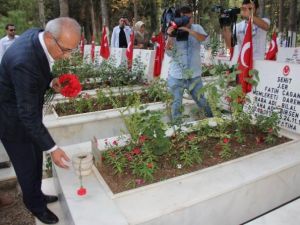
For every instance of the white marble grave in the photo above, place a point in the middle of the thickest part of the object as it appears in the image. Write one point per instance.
(229, 194)
(78, 128)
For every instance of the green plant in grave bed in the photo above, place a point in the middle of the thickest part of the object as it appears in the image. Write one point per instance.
(269, 126)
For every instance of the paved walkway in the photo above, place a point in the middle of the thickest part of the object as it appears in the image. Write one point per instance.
(288, 214)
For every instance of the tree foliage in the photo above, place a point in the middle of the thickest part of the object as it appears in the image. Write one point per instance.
(24, 13)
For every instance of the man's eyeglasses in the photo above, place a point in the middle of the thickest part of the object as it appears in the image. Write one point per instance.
(11, 30)
(63, 49)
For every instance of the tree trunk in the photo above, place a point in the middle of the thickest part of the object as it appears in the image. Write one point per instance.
(281, 13)
(64, 8)
(41, 12)
(135, 11)
(261, 8)
(292, 23)
(94, 31)
(104, 13)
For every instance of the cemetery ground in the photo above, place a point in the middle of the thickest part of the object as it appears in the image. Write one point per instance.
(15, 214)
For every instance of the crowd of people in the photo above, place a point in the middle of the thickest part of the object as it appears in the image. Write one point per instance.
(25, 75)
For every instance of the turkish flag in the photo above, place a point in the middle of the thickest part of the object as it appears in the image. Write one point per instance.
(245, 61)
(159, 54)
(104, 50)
(129, 50)
(82, 44)
(93, 48)
(273, 49)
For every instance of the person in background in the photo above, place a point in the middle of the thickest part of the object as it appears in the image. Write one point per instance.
(25, 75)
(185, 66)
(259, 31)
(141, 39)
(121, 34)
(6, 41)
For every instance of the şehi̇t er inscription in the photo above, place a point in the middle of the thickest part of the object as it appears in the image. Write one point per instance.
(278, 88)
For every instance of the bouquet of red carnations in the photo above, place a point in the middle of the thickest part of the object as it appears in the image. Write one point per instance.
(70, 85)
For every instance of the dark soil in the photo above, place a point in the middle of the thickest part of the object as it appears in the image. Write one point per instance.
(93, 104)
(15, 214)
(211, 156)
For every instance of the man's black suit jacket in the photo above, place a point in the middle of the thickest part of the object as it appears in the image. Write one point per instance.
(24, 78)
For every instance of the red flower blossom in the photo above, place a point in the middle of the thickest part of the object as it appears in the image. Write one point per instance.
(270, 130)
(241, 100)
(142, 139)
(136, 151)
(191, 137)
(81, 191)
(128, 156)
(150, 165)
(70, 84)
(226, 140)
(115, 143)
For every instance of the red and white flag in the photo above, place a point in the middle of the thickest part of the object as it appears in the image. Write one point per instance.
(159, 55)
(93, 48)
(273, 49)
(82, 44)
(245, 61)
(129, 50)
(104, 49)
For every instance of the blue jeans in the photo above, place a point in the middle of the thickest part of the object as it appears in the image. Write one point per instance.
(193, 85)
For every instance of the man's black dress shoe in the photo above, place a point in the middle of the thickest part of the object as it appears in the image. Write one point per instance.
(47, 217)
(50, 198)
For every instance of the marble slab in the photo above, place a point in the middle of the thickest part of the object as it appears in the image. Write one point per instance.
(286, 215)
(83, 127)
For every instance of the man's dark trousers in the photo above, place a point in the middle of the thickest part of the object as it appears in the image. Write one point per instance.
(27, 160)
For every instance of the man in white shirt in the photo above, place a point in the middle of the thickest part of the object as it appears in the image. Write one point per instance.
(121, 34)
(6, 41)
(259, 31)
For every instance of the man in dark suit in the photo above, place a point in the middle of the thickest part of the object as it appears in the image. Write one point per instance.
(25, 75)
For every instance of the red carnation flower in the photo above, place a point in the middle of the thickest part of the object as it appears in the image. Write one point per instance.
(191, 137)
(81, 191)
(150, 165)
(136, 151)
(70, 84)
(142, 139)
(225, 140)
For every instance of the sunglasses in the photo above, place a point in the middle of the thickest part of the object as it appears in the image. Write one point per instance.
(11, 30)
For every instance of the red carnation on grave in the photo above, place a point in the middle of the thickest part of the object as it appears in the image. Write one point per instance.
(70, 84)
(150, 165)
(225, 140)
(142, 139)
(191, 137)
(81, 191)
(136, 151)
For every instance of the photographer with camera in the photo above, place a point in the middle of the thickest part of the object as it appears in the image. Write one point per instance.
(259, 31)
(183, 46)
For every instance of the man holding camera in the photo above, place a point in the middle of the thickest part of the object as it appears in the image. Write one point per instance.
(185, 66)
(259, 31)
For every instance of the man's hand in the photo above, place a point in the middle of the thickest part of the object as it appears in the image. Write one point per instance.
(58, 157)
(170, 30)
(184, 29)
(56, 85)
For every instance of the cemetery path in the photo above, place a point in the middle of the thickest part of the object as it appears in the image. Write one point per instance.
(17, 214)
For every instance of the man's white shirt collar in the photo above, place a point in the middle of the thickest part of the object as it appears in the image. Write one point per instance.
(49, 57)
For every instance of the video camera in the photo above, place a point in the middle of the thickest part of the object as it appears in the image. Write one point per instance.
(172, 18)
(227, 16)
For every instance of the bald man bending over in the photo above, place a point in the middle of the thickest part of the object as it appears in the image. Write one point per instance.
(25, 75)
